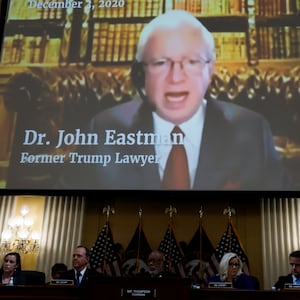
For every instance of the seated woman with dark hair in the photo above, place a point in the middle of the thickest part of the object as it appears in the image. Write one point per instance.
(10, 271)
(230, 270)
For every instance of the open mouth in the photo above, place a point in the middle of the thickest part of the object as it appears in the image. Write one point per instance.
(175, 97)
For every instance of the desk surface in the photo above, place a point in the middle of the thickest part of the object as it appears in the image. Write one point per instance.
(232, 294)
(42, 292)
(122, 289)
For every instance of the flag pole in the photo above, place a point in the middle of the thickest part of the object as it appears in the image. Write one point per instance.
(200, 246)
(229, 211)
(137, 261)
(171, 211)
(232, 231)
(108, 210)
(235, 232)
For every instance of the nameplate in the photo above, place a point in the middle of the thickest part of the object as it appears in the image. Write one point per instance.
(61, 282)
(291, 286)
(220, 285)
(135, 293)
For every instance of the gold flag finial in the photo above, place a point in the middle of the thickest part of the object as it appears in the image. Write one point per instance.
(201, 212)
(108, 210)
(229, 211)
(171, 210)
(140, 212)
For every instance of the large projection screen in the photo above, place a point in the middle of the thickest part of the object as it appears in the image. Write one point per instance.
(75, 112)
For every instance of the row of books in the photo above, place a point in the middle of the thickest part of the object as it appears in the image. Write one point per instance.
(113, 43)
(277, 7)
(131, 8)
(209, 7)
(20, 49)
(151, 8)
(278, 42)
(230, 45)
(134, 8)
(117, 43)
(110, 46)
(21, 9)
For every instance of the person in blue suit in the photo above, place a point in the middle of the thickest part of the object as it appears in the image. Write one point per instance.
(81, 272)
(294, 276)
(228, 147)
(230, 270)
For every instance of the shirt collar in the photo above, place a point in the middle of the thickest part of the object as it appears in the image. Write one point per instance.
(164, 127)
(81, 272)
(295, 279)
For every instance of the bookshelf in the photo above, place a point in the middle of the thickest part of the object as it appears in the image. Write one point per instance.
(106, 32)
(263, 35)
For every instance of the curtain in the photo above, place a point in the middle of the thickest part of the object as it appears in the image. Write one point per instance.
(281, 236)
(61, 231)
(7, 206)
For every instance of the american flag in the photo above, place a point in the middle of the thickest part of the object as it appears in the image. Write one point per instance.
(198, 256)
(137, 252)
(172, 252)
(103, 256)
(230, 242)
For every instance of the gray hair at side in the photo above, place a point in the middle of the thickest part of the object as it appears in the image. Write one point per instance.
(224, 265)
(173, 19)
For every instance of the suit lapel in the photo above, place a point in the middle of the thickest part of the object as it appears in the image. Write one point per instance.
(84, 278)
(148, 174)
(214, 165)
(213, 162)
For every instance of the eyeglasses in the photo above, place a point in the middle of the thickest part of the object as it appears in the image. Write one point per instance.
(234, 265)
(163, 65)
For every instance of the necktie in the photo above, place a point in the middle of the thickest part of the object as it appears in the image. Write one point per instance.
(297, 281)
(78, 274)
(176, 175)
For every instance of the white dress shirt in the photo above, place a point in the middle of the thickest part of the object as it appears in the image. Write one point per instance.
(192, 129)
(81, 272)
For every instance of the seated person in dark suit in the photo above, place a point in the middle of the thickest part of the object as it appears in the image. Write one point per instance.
(230, 270)
(294, 276)
(156, 266)
(80, 272)
(10, 271)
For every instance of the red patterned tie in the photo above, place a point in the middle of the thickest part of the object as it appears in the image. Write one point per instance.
(176, 175)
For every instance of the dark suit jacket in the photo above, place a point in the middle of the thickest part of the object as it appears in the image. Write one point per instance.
(243, 281)
(70, 274)
(237, 152)
(282, 280)
(18, 278)
(162, 274)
